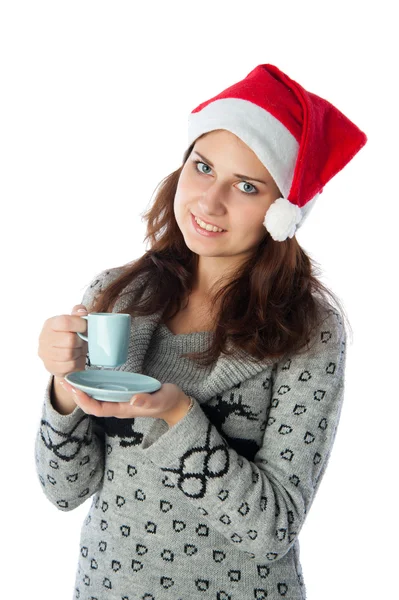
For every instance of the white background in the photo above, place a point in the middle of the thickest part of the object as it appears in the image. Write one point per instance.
(94, 103)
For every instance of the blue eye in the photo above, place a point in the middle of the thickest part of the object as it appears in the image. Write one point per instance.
(252, 186)
(200, 162)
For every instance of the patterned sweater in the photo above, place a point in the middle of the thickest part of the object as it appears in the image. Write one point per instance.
(211, 508)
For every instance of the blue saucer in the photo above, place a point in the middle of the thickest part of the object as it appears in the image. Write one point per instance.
(112, 386)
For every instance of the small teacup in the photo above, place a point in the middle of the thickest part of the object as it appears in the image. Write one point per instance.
(108, 337)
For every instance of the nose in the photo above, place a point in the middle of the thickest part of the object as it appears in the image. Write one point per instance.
(211, 202)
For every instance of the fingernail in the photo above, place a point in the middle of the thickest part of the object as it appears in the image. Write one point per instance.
(82, 310)
(73, 390)
(135, 401)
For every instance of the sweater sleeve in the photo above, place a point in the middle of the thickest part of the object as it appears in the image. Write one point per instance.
(260, 506)
(69, 455)
(69, 449)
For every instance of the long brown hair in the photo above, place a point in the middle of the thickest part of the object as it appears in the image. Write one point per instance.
(268, 308)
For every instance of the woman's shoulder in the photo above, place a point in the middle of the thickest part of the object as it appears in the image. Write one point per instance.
(330, 331)
(102, 280)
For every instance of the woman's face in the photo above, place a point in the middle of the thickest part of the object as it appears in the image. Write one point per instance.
(218, 184)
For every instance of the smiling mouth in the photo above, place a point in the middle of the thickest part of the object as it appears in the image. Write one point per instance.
(203, 224)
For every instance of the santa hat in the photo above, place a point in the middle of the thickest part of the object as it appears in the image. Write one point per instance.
(302, 139)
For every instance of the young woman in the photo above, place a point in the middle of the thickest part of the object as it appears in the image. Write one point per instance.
(200, 489)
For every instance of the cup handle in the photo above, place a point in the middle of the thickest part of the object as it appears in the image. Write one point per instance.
(84, 337)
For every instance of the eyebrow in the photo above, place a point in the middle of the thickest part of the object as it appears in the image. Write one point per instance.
(235, 174)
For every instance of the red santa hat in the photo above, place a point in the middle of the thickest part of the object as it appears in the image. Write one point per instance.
(302, 139)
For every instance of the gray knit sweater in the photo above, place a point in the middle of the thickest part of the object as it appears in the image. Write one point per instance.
(211, 508)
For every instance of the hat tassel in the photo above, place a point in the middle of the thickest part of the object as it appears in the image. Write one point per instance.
(282, 219)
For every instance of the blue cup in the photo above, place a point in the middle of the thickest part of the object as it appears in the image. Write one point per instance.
(108, 337)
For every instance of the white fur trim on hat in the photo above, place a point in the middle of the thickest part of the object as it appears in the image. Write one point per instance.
(268, 138)
(281, 219)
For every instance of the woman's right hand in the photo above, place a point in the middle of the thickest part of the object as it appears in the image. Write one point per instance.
(60, 348)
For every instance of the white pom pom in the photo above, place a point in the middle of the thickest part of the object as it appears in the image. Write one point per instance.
(281, 219)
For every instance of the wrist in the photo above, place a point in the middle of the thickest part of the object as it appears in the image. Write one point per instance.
(61, 401)
(180, 411)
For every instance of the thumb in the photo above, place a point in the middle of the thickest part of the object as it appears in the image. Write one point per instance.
(79, 308)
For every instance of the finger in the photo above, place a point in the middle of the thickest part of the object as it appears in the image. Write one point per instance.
(67, 341)
(98, 408)
(152, 405)
(123, 410)
(68, 323)
(89, 405)
(79, 308)
(120, 410)
(62, 355)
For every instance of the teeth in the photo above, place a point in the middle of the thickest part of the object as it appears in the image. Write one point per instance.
(207, 227)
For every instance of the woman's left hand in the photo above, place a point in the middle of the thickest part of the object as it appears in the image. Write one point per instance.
(169, 403)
